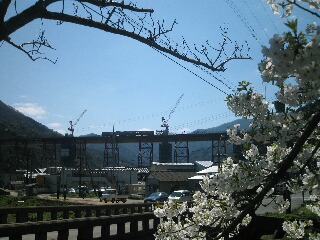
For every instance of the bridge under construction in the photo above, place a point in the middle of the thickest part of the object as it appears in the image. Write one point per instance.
(58, 151)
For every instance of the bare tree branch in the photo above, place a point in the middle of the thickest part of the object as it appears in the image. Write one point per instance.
(4, 4)
(30, 53)
(305, 9)
(117, 21)
(108, 3)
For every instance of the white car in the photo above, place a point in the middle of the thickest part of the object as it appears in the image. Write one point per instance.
(112, 196)
(180, 196)
(71, 190)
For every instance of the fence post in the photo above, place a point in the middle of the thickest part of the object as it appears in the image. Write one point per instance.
(125, 210)
(116, 211)
(15, 237)
(40, 216)
(3, 218)
(145, 224)
(66, 214)
(121, 228)
(21, 217)
(88, 213)
(63, 234)
(108, 212)
(85, 233)
(105, 231)
(134, 226)
(77, 214)
(156, 222)
(98, 213)
(41, 236)
(54, 215)
(133, 210)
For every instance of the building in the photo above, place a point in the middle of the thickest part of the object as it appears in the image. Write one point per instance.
(194, 181)
(168, 177)
(52, 179)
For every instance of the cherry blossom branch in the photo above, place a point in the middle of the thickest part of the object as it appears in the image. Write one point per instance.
(276, 177)
(308, 162)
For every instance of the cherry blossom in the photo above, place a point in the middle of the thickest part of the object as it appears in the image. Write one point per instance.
(281, 141)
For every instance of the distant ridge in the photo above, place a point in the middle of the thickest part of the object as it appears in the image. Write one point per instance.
(244, 124)
(14, 124)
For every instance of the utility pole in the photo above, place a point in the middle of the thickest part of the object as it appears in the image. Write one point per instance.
(113, 158)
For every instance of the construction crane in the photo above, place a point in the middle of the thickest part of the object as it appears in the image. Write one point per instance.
(71, 128)
(165, 123)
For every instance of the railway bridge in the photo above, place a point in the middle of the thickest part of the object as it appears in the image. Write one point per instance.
(58, 151)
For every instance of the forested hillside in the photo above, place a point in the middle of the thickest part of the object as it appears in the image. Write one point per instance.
(14, 124)
(244, 124)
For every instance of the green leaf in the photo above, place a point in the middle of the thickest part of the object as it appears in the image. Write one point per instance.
(293, 25)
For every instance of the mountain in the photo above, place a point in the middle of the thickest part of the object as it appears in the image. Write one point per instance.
(14, 124)
(200, 151)
(244, 124)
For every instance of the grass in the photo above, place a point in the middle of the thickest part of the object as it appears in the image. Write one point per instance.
(302, 214)
(33, 201)
(10, 201)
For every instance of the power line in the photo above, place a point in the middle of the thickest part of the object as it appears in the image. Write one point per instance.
(255, 17)
(226, 82)
(152, 115)
(268, 15)
(244, 21)
(167, 44)
(190, 71)
(203, 120)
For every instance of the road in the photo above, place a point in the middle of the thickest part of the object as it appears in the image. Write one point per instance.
(95, 201)
(296, 201)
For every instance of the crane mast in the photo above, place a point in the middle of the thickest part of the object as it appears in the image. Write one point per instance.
(71, 128)
(165, 123)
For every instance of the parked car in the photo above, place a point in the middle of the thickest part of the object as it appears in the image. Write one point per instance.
(112, 195)
(71, 190)
(82, 189)
(157, 197)
(91, 190)
(180, 196)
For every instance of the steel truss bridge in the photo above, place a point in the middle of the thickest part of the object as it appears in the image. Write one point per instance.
(55, 151)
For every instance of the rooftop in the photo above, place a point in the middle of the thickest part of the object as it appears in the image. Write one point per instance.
(168, 176)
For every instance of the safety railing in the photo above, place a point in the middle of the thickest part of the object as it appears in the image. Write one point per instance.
(120, 227)
(49, 213)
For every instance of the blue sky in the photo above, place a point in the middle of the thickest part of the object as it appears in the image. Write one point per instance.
(121, 82)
